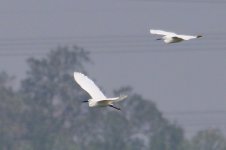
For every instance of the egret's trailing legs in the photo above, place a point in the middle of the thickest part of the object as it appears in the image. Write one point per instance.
(114, 107)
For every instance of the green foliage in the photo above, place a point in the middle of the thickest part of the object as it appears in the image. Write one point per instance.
(51, 94)
(12, 109)
(211, 139)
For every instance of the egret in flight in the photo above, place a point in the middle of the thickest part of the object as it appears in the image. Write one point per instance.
(170, 37)
(97, 97)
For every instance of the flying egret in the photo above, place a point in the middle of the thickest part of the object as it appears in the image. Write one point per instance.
(170, 37)
(97, 97)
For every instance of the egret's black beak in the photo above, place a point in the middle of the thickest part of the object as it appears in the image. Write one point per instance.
(159, 39)
(85, 101)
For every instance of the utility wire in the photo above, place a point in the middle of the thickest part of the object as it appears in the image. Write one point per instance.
(184, 1)
(121, 51)
(196, 112)
(112, 41)
(92, 37)
(138, 51)
(106, 44)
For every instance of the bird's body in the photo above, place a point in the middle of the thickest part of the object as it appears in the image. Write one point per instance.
(170, 37)
(98, 99)
(104, 102)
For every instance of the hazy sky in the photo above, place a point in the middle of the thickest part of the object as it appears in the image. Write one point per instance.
(188, 76)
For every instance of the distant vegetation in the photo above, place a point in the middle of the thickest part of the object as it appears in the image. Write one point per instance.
(46, 113)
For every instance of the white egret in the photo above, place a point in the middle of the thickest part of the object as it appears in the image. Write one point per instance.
(170, 37)
(97, 97)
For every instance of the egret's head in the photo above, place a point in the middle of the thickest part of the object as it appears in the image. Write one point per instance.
(198, 36)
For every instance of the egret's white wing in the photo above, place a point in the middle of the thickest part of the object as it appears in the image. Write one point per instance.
(187, 37)
(160, 32)
(89, 86)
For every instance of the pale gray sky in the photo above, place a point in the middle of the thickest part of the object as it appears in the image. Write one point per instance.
(188, 76)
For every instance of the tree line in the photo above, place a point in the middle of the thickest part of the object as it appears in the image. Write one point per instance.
(45, 113)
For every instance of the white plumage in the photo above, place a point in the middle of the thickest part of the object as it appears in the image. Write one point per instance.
(97, 96)
(170, 37)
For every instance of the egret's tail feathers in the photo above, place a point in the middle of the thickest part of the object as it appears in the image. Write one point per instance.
(122, 97)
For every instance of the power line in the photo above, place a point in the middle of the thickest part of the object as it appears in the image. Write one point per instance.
(105, 44)
(120, 40)
(184, 1)
(47, 38)
(131, 45)
(196, 112)
(29, 12)
(97, 42)
(129, 51)
(210, 124)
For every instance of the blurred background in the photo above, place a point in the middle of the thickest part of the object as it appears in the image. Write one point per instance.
(176, 92)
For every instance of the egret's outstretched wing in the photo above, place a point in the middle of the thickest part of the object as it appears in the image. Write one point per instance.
(88, 85)
(187, 37)
(160, 32)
